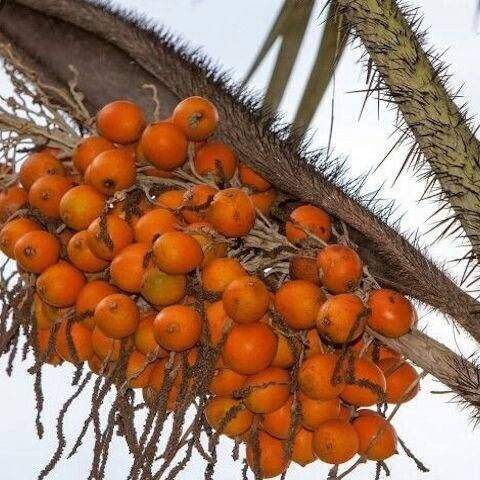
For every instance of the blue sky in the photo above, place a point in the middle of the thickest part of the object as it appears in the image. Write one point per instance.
(230, 34)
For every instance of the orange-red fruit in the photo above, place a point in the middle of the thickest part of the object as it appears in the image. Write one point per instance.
(218, 273)
(170, 199)
(218, 321)
(250, 348)
(82, 342)
(87, 149)
(196, 200)
(315, 412)
(153, 223)
(342, 318)
(263, 201)
(392, 314)
(144, 337)
(117, 316)
(304, 268)
(80, 206)
(121, 121)
(197, 117)
(377, 437)
(340, 268)
(46, 194)
(317, 377)
(231, 213)
(311, 219)
(60, 284)
(43, 342)
(162, 289)
(128, 267)
(239, 418)
(37, 165)
(37, 250)
(164, 145)
(402, 380)
(285, 355)
(368, 385)
(107, 236)
(11, 200)
(80, 254)
(267, 390)
(216, 160)
(177, 252)
(252, 179)
(177, 328)
(226, 382)
(105, 348)
(303, 452)
(335, 441)
(138, 370)
(246, 299)
(89, 297)
(272, 461)
(279, 422)
(112, 171)
(298, 301)
(13, 231)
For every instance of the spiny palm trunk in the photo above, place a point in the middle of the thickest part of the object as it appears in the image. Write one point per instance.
(415, 83)
(116, 56)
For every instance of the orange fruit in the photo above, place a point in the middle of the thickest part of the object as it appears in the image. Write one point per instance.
(316, 377)
(60, 284)
(304, 268)
(268, 390)
(285, 355)
(112, 171)
(215, 160)
(121, 121)
(170, 199)
(231, 213)
(252, 179)
(228, 416)
(162, 289)
(11, 200)
(377, 437)
(197, 117)
(279, 422)
(246, 299)
(80, 254)
(212, 247)
(177, 252)
(303, 452)
(313, 343)
(264, 201)
(302, 313)
(340, 267)
(220, 272)
(80, 206)
(335, 441)
(218, 322)
(401, 378)
(177, 328)
(46, 193)
(311, 219)
(105, 348)
(117, 316)
(131, 209)
(82, 342)
(144, 337)
(271, 453)
(129, 266)
(368, 385)
(196, 200)
(153, 223)
(87, 149)
(37, 165)
(342, 318)
(89, 297)
(225, 382)
(315, 412)
(107, 236)
(44, 314)
(164, 145)
(37, 250)
(13, 231)
(250, 348)
(43, 340)
(392, 314)
(138, 370)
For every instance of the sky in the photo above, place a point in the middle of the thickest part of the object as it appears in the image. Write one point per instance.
(437, 431)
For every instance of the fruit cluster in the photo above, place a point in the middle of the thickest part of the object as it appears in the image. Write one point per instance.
(148, 244)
